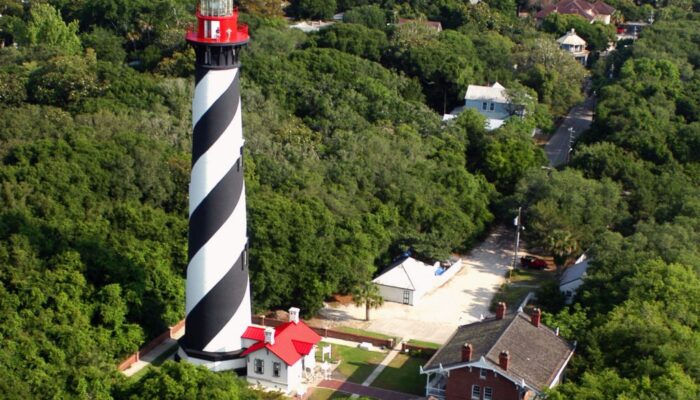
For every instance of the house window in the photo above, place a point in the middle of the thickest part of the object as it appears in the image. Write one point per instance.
(492, 106)
(476, 392)
(276, 368)
(406, 297)
(259, 367)
(488, 393)
(482, 373)
(484, 105)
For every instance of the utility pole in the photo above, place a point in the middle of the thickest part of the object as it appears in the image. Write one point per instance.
(571, 144)
(518, 226)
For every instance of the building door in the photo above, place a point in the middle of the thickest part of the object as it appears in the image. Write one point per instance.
(406, 297)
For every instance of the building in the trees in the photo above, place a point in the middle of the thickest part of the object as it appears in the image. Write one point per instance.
(492, 102)
(630, 30)
(407, 280)
(278, 358)
(217, 302)
(311, 26)
(510, 357)
(598, 11)
(434, 25)
(572, 278)
(574, 44)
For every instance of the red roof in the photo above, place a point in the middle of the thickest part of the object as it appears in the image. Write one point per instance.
(292, 341)
(254, 333)
(580, 7)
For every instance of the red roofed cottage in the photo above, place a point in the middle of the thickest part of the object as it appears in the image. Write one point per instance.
(276, 358)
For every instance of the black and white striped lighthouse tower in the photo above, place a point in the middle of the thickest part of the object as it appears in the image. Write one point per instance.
(218, 291)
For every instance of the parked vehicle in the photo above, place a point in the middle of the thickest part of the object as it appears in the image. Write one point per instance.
(533, 262)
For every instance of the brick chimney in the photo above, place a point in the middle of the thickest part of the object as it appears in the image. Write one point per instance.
(503, 360)
(467, 351)
(500, 310)
(270, 335)
(536, 317)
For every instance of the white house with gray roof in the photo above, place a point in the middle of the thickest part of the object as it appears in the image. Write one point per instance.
(490, 101)
(574, 44)
(408, 280)
(572, 279)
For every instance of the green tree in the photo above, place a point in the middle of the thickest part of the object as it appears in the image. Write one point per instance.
(107, 45)
(268, 8)
(355, 39)
(371, 16)
(46, 29)
(367, 294)
(554, 74)
(314, 9)
(65, 80)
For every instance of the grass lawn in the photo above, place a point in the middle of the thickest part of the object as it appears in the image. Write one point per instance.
(355, 364)
(511, 295)
(402, 375)
(421, 343)
(327, 394)
(521, 283)
(361, 332)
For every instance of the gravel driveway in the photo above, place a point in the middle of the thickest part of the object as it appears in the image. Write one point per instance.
(463, 299)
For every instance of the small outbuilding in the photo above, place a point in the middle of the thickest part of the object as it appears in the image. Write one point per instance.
(408, 280)
(572, 279)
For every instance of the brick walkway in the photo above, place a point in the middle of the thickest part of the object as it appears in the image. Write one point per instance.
(354, 388)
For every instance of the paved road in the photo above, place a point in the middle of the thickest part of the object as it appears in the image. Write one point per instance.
(579, 118)
(463, 299)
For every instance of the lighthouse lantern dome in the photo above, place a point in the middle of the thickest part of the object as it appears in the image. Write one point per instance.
(217, 24)
(216, 8)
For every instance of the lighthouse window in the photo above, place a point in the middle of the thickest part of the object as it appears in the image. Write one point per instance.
(259, 366)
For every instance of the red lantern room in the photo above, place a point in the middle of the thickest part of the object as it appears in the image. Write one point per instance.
(218, 36)
(217, 22)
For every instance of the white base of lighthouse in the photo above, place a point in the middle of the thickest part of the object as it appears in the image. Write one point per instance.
(216, 366)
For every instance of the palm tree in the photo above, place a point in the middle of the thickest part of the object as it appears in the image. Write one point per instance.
(367, 294)
(562, 245)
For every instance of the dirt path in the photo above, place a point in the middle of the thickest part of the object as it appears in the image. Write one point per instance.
(461, 300)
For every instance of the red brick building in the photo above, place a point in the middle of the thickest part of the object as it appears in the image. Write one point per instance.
(508, 357)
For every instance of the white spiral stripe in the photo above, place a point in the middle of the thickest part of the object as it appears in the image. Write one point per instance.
(213, 260)
(208, 90)
(234, 328)
(213, 165)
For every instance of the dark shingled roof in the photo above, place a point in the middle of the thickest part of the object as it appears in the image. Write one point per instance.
(536, 353)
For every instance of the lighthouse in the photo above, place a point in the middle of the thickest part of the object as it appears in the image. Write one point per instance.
(217, 304)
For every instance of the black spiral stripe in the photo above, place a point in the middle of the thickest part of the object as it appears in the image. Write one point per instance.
(219, 305)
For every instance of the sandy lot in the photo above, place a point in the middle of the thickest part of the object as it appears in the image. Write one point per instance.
(461, 300)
